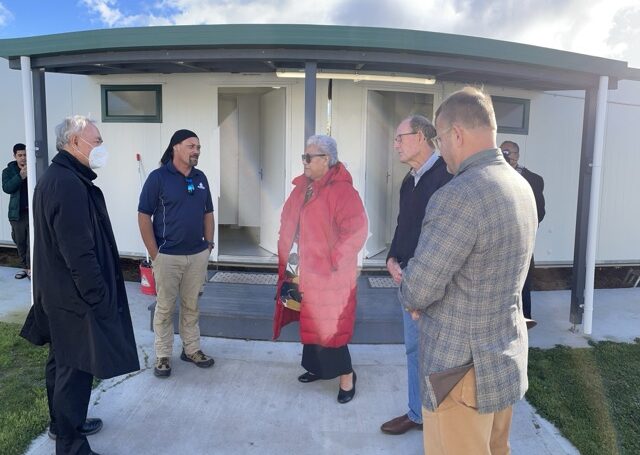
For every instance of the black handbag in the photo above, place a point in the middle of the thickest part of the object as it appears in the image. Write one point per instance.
(290, 295)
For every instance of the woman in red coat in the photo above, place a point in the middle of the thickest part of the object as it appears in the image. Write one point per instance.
(322, 228)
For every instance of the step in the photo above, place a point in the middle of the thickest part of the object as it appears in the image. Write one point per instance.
(245, 311)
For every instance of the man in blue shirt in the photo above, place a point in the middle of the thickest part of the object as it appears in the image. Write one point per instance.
(175, 216)
(428, 173)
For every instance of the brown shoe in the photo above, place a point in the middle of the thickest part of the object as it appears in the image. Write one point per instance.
(400, 425)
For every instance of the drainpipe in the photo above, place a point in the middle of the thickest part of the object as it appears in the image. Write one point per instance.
(30, 142)
(329, 107)
(594, 203)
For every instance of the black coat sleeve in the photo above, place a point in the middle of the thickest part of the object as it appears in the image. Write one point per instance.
(537, 185)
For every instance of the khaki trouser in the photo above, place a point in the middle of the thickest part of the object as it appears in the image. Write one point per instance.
(457, 428)
(178, 276)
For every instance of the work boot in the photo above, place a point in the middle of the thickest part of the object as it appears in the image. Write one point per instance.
(199, 358)
(163, 367)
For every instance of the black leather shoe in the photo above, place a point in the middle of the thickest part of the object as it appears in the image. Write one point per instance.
(345, 396)
(89, 427)
(308, 377)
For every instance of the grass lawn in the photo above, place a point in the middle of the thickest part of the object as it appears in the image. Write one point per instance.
(591, 395)
(23, 413)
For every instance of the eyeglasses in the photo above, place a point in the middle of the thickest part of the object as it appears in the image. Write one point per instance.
(437, 140)
(96, 142)
(398, 137)
(190, 187)
(306, 157)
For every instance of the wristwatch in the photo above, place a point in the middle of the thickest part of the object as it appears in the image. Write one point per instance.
(212, 245)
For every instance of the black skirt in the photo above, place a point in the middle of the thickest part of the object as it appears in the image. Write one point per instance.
(328, 363)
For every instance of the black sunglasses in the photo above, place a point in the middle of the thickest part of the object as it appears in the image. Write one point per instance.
(190, 187)
(307, 157)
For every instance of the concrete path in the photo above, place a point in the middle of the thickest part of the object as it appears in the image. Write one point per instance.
(250, 401)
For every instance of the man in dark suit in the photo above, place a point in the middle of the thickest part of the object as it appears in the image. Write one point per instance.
(80, 302)
(511, 152)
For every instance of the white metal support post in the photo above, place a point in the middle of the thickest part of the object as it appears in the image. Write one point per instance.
(30, 142)
(596, 177)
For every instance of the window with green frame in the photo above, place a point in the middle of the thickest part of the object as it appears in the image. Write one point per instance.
(512, 114)
(132, 103)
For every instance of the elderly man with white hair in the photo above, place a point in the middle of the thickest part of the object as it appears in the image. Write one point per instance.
(80, 302)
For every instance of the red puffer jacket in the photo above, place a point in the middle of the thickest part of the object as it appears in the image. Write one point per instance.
(333, 229)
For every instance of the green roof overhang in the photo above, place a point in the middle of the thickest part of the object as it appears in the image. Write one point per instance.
(265, 48)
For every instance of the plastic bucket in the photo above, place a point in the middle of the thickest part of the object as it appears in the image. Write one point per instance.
(147, 283)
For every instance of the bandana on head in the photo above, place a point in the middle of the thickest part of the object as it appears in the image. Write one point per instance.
(177, 137)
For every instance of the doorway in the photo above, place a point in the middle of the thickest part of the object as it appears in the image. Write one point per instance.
(384, 173)
(252, 125)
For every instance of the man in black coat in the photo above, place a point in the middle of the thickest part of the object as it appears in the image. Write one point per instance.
(80, 303)
(511, 152)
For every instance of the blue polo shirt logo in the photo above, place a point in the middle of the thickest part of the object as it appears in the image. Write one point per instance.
(201, 186)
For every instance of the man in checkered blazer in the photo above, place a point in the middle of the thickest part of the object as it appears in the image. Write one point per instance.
(463, 285)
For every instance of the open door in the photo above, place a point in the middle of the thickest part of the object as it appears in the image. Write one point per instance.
(272, 166)
(377, 175)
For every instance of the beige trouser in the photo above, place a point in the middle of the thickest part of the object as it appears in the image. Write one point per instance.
(178, 276)
(457, 428)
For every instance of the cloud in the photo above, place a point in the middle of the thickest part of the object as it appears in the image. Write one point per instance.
(109, 14)
(607, 28)
(625, 32)
(5, 15)
(249, 11)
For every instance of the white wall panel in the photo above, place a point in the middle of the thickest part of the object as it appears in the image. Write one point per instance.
(552, 150)
(619, 219)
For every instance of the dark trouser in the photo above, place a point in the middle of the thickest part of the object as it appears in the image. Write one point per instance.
(526, 291)
(68, 393)
(20, 236)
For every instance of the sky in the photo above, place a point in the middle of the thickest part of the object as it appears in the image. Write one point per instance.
(605, 28)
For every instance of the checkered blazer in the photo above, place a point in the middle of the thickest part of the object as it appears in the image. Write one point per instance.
(466, 276)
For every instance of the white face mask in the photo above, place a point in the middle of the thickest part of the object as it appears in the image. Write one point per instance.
(98, 156)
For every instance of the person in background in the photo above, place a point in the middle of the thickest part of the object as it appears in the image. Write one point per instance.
(323, 226)
(14, 183)
(80, 302)
(511, 151)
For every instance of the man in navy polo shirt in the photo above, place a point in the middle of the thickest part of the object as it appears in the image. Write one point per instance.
(175, 216)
